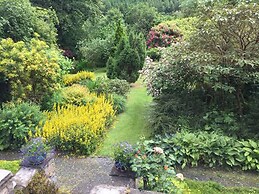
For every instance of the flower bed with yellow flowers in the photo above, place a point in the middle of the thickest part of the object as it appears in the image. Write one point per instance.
(78, 129)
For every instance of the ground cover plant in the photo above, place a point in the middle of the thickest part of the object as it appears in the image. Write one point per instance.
(12, 166)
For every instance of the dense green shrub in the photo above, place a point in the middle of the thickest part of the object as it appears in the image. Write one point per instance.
(31, 69)
(19, 20)
(96, 52)
(209, 149)
(203, 76)
(16, 121)
(118, 103)
(152, 165)
(66, 65)
(117, 86)
(154, 54)
(128, 56)
(109, 86)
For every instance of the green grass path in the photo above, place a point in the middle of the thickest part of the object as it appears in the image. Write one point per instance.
(130, 125)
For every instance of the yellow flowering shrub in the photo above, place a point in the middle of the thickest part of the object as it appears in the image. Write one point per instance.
(70, 79)
(77, 95)
(78, 129)
(31, 69)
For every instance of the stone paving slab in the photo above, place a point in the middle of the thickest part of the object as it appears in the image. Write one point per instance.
(107, 189)
(81, 175)
(4, 176)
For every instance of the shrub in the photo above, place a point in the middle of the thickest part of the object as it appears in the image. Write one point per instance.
(70, 79)
(77, 95)
(118, 103)
(31, 69)
(16, 121)
(209, 149)
(12, 166)
(154, 54)
(117, 86)
(152, 165)
(187, 26)
(218, 76)
(78, 129)
(123, 152)
(128, 59)
(96, 52)
(41, 184)
(163, 35)
(109, 86)
(66, 65)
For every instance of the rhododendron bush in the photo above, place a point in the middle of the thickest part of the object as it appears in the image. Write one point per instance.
(163, 35)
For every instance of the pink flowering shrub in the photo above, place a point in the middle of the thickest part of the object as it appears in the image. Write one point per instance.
(163, 35)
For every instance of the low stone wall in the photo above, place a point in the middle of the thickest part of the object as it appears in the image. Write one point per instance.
(9, 182)
(6, 184)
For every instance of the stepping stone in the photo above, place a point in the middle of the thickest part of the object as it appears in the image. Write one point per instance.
(107, 189)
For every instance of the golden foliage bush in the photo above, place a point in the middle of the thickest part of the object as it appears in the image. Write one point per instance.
(78, 129)
(31, 69)
(70, 79)
(77, 95)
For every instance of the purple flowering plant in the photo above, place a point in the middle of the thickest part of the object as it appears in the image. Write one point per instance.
(123, 153)
(35, 151)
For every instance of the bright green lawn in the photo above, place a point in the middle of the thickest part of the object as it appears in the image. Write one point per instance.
(100, 72)
(130, 125)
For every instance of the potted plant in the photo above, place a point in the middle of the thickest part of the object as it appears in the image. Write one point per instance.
(123, 153)
(35, 152)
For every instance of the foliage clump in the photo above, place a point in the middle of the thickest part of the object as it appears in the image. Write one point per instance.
(16, 121)
(78, 129)
(19, 20)
(210, 149)
(70, 79)
(129, 56)
(12, 166)
(215, 69)
(31, 70)
(163, 35)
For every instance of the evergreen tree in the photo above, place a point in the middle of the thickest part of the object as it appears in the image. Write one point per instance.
(128, 58)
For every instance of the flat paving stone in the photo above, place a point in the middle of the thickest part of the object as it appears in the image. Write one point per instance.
(4, 175)
(82, 175)
(107, 189)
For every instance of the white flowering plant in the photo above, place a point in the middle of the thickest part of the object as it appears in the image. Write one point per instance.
(152, 166)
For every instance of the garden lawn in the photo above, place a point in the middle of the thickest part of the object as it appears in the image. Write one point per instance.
(130, 125)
